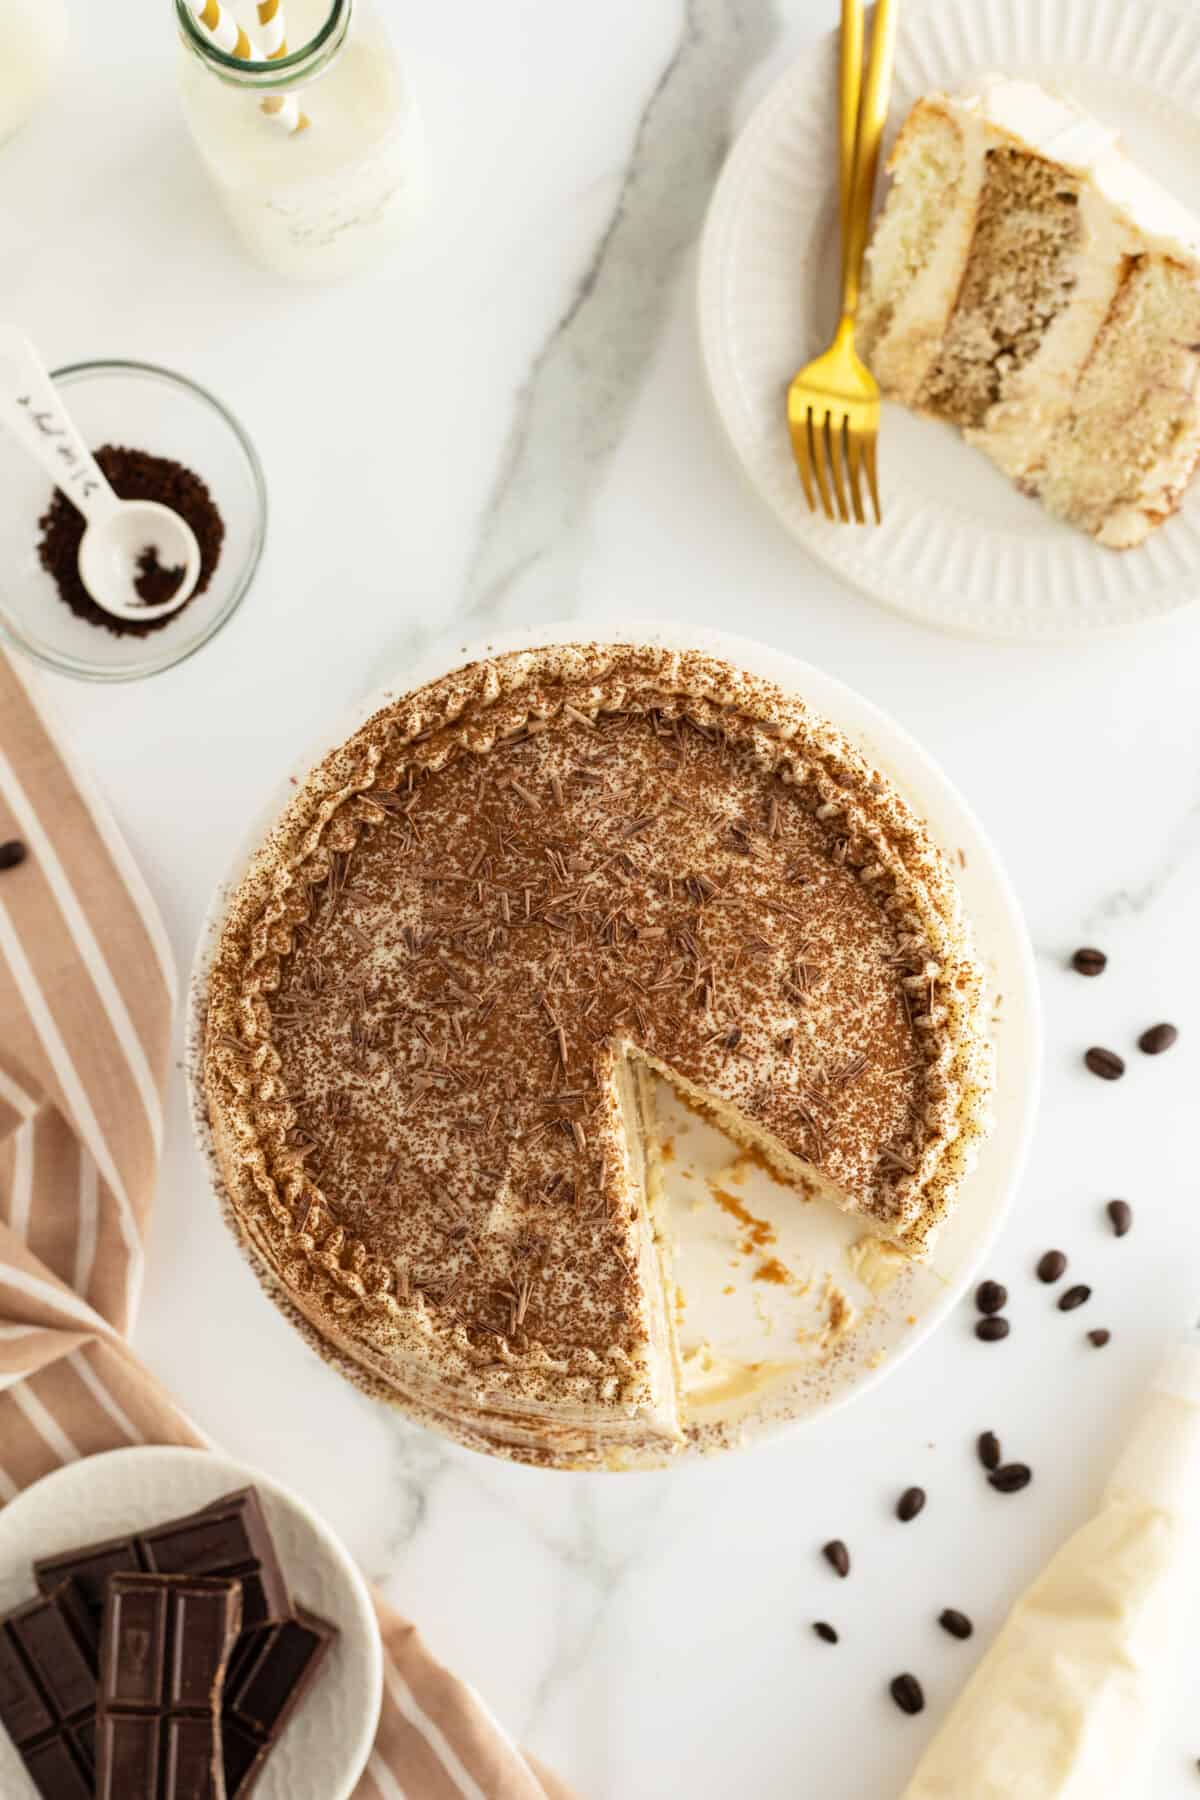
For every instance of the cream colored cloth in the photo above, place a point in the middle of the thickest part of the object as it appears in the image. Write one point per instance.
(87, 988)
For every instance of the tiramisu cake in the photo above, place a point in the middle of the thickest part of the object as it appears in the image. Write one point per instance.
(479, 931)
(1030, 285)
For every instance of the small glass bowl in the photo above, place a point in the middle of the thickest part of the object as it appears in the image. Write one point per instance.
(141, 407)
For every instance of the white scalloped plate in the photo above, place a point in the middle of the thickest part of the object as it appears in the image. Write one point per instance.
(760, 1323)
(959, 547)
(325, 1745)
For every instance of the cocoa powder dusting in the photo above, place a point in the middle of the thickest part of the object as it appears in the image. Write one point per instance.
(604, 941)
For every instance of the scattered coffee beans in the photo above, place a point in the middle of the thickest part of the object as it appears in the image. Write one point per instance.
(1089, 962)
(825, 1632)
(910, 1503)
(1052, 1267)
(989, 1450)
(1105, 1063)
(12, 853)
(838, 1557)
(1011, 1478)
(1079, 1295)
(907, 1692)
(1157, 1039)
(1121, 1214)
(1099, 1338)
(136, 475)
(991, 1329)
(991, 1297)
(956, 1623)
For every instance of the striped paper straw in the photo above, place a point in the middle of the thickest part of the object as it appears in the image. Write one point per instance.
(274, 42)
(274, 28)
(228, 35)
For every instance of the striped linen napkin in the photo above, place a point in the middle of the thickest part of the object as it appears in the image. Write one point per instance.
(86, 999)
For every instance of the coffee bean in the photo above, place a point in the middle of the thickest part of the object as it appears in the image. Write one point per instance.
(956, 1623)
(1105, 1063)
(993, 1328)
(838, 1557)
(910, 1503)
(1100, 1338)
(12, 853)
(1011, 1478)
(989, 1450)
(906, 1691)
(1121, 1214)
(1079, 1295)
(1052, 1267)
(991, 1297)
(1089, 962)
(1157, 1039)
(825, 1632)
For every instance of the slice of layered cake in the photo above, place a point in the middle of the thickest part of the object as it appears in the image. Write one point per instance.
(1030, 285)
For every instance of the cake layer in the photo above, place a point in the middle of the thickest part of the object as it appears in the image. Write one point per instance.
(1017, 279)
(439, 983)
(1031, 286)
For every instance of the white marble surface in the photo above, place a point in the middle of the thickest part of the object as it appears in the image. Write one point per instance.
(524, 377)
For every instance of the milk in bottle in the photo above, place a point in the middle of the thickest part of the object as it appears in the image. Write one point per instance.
(315, 154)
(33, 36)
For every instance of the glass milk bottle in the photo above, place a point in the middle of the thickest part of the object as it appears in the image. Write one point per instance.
(33, 36)
(307, 126)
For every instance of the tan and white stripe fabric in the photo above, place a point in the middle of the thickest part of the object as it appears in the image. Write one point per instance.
(87, 989)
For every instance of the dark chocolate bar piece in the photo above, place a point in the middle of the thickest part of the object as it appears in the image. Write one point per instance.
(164, 1653)
(48, 1692)
(272, 1670)
(229, 1539)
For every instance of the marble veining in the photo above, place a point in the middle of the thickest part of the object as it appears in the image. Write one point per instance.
(1179, 856)
(420, 1461)
(572, 410)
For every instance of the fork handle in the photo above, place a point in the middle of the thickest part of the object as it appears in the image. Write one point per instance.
(850, 85)
(872, 117)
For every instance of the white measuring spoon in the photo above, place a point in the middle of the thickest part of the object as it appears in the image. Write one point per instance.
(120, 534)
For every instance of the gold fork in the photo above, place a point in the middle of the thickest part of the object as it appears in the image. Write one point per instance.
(833, 403)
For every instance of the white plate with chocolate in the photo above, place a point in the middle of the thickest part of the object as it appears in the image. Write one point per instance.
(447, 974)
(1031, 311)
(168, 1606)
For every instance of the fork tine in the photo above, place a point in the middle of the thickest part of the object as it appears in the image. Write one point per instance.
(804, 461)
(834, 427)
(868, 450)
(854, 470)
(816, 444)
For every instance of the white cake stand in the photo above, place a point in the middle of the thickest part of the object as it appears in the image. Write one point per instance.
(758, 1323)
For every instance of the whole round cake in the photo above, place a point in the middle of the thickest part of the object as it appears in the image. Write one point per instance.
(480, 930)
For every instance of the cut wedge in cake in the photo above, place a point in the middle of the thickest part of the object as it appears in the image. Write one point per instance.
(1028, 284)
(448, 982)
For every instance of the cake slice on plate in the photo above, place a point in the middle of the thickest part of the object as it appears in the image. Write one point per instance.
(1029, 284)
